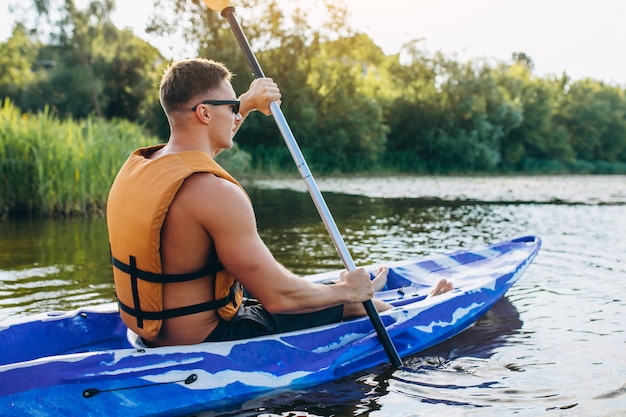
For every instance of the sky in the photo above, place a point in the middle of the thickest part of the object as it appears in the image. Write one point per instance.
(580, 37)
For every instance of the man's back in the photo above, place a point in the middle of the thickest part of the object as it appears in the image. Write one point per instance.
(186, 247)
(165, 264)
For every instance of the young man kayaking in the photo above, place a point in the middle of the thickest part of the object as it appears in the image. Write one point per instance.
(183, 232)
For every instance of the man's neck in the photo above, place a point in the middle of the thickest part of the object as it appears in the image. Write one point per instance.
(178, 143)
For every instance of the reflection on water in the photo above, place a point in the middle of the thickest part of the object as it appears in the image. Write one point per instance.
(64, 263)
(375, 229)
(53, 265)
(554, 346)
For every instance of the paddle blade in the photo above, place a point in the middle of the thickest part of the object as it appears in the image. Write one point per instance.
(217, 5)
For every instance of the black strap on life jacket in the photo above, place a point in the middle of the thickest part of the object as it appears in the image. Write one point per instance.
(136, 274)
(132, 270)
(180, 311)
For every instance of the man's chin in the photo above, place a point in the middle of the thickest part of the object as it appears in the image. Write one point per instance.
(224, 149)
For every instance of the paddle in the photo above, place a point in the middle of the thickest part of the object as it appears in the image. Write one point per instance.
(228, 12)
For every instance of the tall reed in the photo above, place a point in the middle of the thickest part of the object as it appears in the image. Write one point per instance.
(50, 166)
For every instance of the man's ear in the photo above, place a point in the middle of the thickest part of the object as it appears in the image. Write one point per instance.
(203, 114)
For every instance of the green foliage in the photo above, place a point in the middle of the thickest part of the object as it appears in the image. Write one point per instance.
(235, 161)
(88, 67)
(348, 133)
(53, 167)
(535, 136)
(19, 69)
(351, 107)
(594, 116)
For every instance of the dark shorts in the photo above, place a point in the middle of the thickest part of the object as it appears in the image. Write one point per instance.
(254, 320)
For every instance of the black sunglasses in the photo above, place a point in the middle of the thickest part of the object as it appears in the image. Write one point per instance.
(234, 103)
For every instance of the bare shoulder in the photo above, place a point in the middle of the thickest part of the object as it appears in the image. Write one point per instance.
(208, 197)
(204, 182)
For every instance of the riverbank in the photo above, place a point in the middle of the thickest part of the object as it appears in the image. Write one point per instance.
(567, 189)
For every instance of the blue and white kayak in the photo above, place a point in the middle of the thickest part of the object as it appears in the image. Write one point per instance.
(86, 363)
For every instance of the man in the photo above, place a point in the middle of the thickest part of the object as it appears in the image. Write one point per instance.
(183, 233)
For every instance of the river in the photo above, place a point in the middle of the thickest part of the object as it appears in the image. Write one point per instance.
(554, 346)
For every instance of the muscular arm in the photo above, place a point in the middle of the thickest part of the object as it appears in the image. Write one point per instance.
(226, 214)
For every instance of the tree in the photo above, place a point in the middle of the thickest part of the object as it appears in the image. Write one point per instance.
(349, 121)
(94, 67)
(81, 36)
(18, 65)
(449, 116)
(537, 136)
(129, 73)
(594, 115)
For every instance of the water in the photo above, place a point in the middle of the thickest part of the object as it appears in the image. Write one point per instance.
(554, 346)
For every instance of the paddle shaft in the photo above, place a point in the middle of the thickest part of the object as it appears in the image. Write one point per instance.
(229, 14)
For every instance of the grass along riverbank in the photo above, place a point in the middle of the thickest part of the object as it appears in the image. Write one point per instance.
(52, 167)
(55, 167)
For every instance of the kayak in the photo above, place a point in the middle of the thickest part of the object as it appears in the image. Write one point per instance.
(85, 362)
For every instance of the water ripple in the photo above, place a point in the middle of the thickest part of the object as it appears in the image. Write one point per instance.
(15, 275)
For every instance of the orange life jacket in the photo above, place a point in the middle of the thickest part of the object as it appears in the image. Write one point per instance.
(137, 205)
